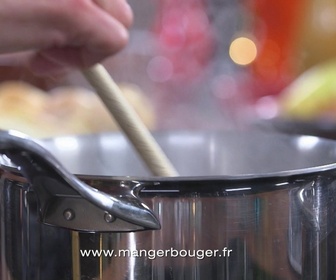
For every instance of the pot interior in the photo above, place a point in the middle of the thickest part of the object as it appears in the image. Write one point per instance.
(229, 153)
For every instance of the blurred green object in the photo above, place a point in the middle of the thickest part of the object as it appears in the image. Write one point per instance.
(312, 95)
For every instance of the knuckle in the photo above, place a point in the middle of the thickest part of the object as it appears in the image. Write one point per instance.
(119, 9)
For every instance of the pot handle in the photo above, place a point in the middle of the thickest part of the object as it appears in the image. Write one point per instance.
(65, 201)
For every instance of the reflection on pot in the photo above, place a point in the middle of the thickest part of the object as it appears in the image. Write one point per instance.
(251, 225)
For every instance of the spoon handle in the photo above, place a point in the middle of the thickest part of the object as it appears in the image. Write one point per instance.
(128, 120)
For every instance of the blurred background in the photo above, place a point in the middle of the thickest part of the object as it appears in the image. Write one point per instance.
(198, 64)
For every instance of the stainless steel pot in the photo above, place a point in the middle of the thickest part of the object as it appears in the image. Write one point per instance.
(248, 205)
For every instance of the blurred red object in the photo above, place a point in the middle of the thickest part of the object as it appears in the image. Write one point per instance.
(276, 27)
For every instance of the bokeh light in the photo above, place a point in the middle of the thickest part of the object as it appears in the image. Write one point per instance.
(243, 51)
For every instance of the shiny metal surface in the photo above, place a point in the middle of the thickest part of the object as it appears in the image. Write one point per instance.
(250, 205)
(59, 190)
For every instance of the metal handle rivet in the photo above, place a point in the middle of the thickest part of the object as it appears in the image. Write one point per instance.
(69, 214)
(109, 218)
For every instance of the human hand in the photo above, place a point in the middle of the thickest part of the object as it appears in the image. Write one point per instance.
(53, 36)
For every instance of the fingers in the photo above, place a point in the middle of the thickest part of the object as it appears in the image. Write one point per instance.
(119, 9)
(96, 32)
(49, 62)
(56, 61)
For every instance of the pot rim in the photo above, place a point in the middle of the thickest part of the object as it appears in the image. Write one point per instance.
(7, 166)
